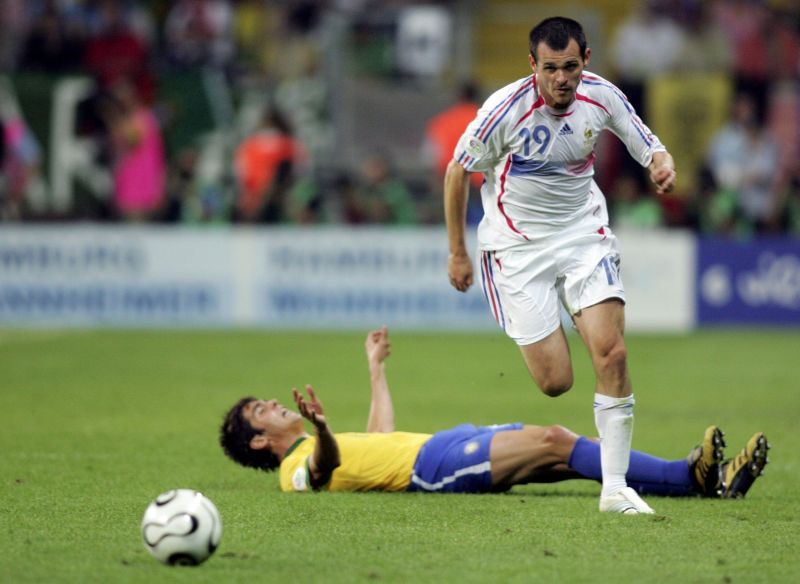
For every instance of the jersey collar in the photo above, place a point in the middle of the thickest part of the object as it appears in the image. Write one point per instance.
(294, 446)
(559, 113)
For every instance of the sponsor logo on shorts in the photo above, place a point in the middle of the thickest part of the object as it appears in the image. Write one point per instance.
(471, 447)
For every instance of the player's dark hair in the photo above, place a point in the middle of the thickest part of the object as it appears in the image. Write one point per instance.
(235, 436)
(556, 33)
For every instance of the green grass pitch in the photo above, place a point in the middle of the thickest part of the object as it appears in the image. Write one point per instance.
(93, 425)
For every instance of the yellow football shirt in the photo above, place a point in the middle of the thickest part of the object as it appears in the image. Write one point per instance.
(370, 462)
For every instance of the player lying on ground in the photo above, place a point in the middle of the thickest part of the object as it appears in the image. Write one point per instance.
(465, 459)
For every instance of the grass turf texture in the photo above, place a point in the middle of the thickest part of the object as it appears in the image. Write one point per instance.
(96, 424)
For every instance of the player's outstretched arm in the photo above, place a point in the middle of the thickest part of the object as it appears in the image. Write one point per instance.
(456, 193)
(662, 172)
(325, 458)
(381, 410)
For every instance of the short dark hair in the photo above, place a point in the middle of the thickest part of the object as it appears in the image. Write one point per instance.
(556, 33)
(235, 436)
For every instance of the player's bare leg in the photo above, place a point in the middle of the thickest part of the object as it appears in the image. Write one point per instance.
(601, 326)
(549, 364)
(532, 454)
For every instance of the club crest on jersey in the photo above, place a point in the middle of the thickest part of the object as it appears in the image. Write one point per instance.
(475, 147)
(299, 480)
(565, 130)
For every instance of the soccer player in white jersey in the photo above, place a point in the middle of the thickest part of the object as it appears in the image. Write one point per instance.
(545, 238)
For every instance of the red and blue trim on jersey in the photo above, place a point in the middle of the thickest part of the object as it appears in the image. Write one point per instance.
(536, 105)
(500, 205)
(637, 122)
(489, 287)
(496, 115)
(584, 98)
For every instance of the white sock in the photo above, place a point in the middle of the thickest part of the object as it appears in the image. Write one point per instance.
(613, 417)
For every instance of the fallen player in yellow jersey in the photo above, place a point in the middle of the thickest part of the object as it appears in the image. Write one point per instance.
(265, 435)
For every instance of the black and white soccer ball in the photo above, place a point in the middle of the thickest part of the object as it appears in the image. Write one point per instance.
(181, 527)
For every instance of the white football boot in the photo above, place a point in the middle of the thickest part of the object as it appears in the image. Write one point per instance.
(625, 501)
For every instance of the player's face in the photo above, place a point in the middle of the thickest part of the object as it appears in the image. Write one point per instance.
(558, 73)
(270, 417)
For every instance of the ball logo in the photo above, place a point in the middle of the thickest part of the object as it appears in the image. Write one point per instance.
(177, 525)
(165, 498)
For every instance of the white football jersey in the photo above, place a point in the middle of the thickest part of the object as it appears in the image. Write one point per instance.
(538, 162)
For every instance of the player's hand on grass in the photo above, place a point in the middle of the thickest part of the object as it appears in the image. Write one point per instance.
(311, 410)
(459, 269)
(377, 345)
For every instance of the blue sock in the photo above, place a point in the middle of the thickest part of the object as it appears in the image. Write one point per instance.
(646, 474)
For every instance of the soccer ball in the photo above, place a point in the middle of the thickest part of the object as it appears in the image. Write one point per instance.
(181, 527)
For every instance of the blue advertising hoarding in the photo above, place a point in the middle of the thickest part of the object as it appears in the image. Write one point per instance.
(754, 282)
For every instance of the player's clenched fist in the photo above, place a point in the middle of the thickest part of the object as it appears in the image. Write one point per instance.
(459, 269)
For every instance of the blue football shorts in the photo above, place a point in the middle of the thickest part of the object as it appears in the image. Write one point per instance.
(457, 460)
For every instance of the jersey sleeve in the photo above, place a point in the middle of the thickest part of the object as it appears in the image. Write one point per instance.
(628, 126)
(482, 145)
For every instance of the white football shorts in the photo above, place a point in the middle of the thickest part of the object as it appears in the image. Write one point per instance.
(524, 285)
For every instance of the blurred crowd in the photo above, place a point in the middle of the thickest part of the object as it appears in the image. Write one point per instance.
(747, 176)
(142, 146)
